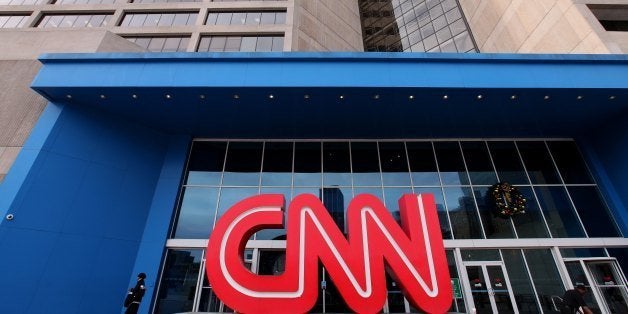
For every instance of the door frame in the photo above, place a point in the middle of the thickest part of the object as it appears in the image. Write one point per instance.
(467, 285)
(592, 284)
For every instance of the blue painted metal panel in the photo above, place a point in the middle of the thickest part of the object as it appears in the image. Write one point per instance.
(79, 222)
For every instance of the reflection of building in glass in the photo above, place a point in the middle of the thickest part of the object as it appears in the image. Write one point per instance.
(334, 201)
(417, 26)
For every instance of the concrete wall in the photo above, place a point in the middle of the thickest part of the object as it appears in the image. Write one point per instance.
(327, 25)
(536, 26)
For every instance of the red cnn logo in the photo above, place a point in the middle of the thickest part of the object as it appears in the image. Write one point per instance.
(412, 254)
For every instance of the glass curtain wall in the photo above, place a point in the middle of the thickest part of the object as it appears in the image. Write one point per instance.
(415, 25)
(549, 173)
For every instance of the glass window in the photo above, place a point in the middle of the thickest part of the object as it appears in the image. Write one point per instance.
(336, 164)
(560, 215)
(569, 162)
(152, 20)
(545, 276)
(365, 164)
(248, 43)
(495, 227)
(243, 165)
(171, 44)
(593, 212)
(277, 169)
(520, 281)
(253, 18)
(233, 43)
(264, 44)
(239, 18)
(478, 163)
(217, 43)
(212, 18)
(422, 164)
(231, 196)
(391, 198)
(267, 18)
(156, 44)
(336, 201)
(394, 164)
(206, 163)
(530, 224)
(196, 214)
(582, 252)
(277, 44)
(224, 18)
(275, 234)
(507, 162)
(178, 282)
(166, 19)
(538, 163)
(450, 163)
(439, 200)
(307, 164)
(462, 213)
(97, 20)
(480, 255)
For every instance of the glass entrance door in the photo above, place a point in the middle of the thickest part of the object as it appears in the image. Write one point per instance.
(489, 288)
(607, 286)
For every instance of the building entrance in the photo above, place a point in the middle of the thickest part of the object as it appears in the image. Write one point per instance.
(606, 285)
(488, 288)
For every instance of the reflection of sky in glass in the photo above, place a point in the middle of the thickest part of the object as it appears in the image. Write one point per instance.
(270, 234)
(203, 178)
(230, 196)
(196, 216)
(276, 179)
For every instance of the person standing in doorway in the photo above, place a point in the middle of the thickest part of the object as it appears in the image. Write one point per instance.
(573, 301)
(135, 295)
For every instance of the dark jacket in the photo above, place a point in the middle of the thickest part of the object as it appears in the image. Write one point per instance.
(138, 291)
(572, 300)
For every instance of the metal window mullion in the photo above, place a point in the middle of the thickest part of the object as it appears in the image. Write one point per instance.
(351, 171)
(525, 170)
(381, 174)
(490, 157)
(477, 208)
(222, 177)
(562, 181)
(405, 149)
(442, 190)
(527, 267)
(199, 284)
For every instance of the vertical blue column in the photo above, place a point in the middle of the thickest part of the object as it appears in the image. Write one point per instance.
(155, 234)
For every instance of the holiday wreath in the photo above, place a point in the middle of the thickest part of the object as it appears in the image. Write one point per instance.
(507, 199)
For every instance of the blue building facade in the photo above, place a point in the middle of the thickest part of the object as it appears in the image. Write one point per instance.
(97, 192)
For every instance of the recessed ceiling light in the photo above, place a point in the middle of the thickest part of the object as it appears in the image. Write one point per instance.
(546, 97)
(271, 96)
(411, 97)
(168, 96)
(376, 96)
(134, 96)
(201, 96)
(103, 97)
(579, 97)
(306, 96)
(445, 97)
(68, 96)
(342, 97)
(236, 96)
(480, 96)
(611, 97)
(513, 97)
